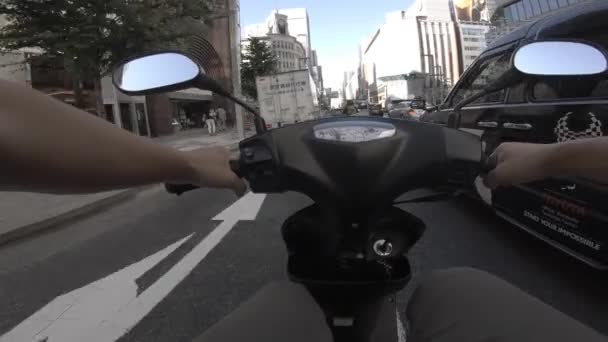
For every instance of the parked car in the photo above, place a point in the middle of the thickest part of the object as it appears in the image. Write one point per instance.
(569, 213)
(361, 104)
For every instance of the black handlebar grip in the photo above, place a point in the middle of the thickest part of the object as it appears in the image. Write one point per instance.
(489, 163)
(178, 189)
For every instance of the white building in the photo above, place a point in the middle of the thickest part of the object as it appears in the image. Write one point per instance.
(473, 41)
(299, 27)
(421, 40)
(289, 52)
(297, 21)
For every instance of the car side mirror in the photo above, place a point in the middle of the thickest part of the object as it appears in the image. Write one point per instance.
(560, 58)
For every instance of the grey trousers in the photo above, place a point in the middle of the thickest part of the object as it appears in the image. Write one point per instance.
(455, 305)
(463, 304)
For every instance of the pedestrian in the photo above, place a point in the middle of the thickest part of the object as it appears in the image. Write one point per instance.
(221, 113)
(210, 121)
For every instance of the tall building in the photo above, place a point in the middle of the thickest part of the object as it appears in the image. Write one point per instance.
(299, 24)
(472, 18)
(289, 52)
(508, 15)
(423, 43)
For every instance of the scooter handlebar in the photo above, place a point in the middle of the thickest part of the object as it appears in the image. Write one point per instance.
(179, 189)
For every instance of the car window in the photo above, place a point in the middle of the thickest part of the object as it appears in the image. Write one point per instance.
(483, 73)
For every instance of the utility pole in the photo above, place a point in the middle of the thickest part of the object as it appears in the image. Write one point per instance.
(234, 40)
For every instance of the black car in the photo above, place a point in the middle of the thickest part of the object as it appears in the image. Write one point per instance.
(569, 213)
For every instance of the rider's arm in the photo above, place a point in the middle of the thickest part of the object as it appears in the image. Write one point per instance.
(521, 162)
(49, 146)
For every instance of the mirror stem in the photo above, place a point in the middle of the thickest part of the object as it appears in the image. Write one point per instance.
(258, 120)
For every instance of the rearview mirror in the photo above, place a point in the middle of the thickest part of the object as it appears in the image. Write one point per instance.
(560, 58)
(159, 72)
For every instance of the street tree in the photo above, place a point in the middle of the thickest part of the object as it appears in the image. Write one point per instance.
(257, 60)
(90, 36)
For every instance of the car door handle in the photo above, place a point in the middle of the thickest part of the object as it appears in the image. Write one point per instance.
(517, 126)
(487, 124)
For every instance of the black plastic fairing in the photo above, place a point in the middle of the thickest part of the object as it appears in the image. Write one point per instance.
(357, 175)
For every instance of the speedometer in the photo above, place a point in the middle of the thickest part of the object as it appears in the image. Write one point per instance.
(354, 131)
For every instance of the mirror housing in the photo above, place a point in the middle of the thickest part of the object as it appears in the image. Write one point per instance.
(156, 73)
(560, 58)
(167, 71)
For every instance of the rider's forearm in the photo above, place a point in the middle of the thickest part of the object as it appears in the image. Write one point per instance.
(587, 158)
(49, 146)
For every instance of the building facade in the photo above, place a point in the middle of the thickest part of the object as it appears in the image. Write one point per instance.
(508, 15)
(299, 26)
(150, 115)
(295, 23)
(422, 40)
(288, 51)
(472, 41)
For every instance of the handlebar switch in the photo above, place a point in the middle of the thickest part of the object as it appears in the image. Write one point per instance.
(262, 172)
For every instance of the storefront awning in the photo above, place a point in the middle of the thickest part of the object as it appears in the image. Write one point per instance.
(191, 94)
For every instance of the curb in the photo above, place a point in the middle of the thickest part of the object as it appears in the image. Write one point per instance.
(68, 217)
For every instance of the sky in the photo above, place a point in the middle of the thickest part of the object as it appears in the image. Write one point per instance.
(336, 27)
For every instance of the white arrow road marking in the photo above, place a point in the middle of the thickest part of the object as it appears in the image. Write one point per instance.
(106, 309)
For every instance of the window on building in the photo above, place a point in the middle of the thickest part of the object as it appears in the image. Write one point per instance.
(482, 74)
(562, 3)
(471, 39)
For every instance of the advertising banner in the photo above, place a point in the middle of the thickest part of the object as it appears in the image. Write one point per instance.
(471, 11)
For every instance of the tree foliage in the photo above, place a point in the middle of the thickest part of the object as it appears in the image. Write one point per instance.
(257, 60)
(93, 35)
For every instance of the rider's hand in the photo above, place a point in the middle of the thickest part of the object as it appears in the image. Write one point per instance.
(519, 163)
(211, 168)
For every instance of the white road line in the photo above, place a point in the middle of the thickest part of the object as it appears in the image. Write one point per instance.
(108, 308)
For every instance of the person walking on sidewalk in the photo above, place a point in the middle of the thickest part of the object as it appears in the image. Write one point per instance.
(221, 113)
(211, 121)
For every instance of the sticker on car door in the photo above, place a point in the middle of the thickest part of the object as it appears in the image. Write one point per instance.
(571, 127)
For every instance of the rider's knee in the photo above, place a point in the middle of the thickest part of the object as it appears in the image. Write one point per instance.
(441, 287)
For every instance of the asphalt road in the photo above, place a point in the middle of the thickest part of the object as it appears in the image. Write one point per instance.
(461, 232)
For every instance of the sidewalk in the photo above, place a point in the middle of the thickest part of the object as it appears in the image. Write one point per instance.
(23, 213)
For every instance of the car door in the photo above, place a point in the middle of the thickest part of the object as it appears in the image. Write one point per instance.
(486, 69)
(568, 212)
